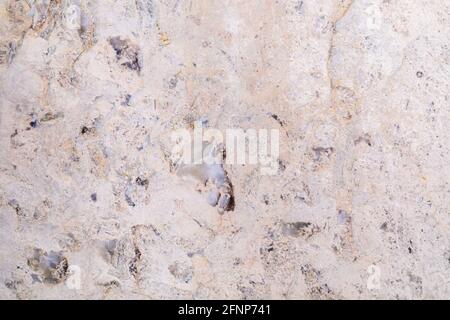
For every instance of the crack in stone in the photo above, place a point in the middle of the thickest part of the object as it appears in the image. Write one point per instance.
(343, 148)
(332, 45)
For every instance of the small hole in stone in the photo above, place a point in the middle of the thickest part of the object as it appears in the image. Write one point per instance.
(34, 123)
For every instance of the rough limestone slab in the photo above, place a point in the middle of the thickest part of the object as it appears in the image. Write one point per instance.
(91, 90)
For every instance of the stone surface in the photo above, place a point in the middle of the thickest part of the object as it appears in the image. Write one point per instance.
(90, 92)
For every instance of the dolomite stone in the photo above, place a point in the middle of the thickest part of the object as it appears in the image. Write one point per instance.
(90, 92)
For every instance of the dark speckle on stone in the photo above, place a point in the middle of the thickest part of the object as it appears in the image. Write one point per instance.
(298, 6)
(94, 197)
(277, 119)
(126, 100)
(10, 285)
(127, 53)
(419, 74)
(15, 205)
(282, 165)
(87, 130)
(142, 181)
(173, 83)
(130, 201)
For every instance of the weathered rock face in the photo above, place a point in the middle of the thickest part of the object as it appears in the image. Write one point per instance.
(90, 206)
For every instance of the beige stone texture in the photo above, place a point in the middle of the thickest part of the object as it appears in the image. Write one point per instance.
(90, 91)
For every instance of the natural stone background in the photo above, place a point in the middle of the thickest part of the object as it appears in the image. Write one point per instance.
(358, 89)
